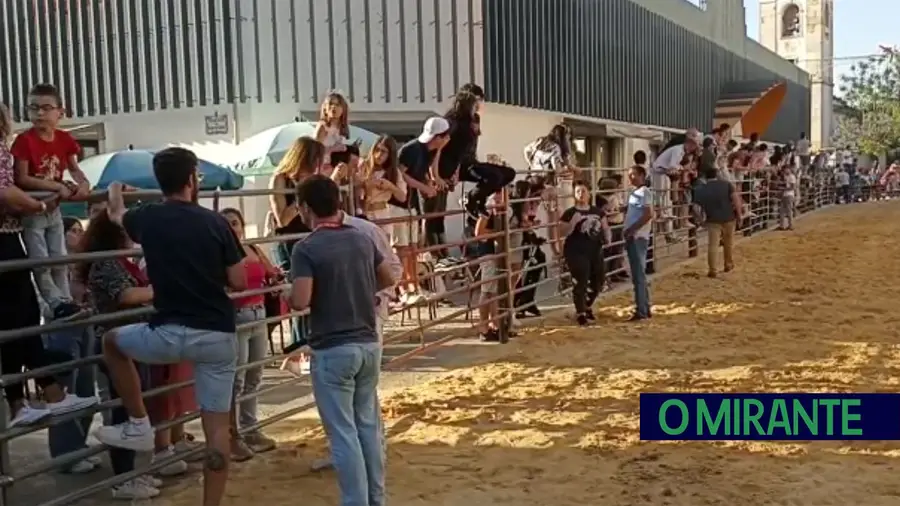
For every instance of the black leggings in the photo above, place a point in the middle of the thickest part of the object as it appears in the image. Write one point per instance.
(19, 308)
(588, 275)
(488, 178)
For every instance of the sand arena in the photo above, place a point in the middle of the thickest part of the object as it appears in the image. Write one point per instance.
(551, 418)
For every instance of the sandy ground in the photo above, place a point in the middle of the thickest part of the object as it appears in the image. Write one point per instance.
(552, 418)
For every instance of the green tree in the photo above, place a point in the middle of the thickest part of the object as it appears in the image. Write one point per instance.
(870, 118)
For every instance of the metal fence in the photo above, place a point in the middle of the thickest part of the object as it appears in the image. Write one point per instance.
(675, 238)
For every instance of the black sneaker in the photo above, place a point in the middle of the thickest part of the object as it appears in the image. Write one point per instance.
(637, 318)
(534, 311)
(491, 336)
(582, 320)
(66, 311)
(590, 316)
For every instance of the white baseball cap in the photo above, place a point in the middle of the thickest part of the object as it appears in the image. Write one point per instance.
(434, 126)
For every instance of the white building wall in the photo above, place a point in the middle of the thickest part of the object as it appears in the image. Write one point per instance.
(152, 71)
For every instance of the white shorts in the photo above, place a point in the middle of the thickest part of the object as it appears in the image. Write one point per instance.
(383, 214)
(405, 234)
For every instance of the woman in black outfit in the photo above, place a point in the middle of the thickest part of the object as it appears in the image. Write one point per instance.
(459, 157)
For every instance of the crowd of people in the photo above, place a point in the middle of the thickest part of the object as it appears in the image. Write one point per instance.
(366, 219)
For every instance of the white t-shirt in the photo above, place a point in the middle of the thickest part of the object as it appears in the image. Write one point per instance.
(803, 147)
(638, 200)
(843, 178)
(669, 159)
(847, 158)
(790, 185)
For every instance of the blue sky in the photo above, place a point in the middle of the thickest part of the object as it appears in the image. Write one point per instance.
(857, 30)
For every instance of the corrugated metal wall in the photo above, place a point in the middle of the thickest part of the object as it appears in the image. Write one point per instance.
(615, 60)
(123, 56)
(118, 56)
(374, 51)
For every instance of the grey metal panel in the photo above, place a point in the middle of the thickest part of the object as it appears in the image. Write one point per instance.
(295, 59)
(404, 87)
(332, 75)
(10, 91)
(385, 44)
(150, 31)
(133, 59)
(124, 57)
(175, 59)
(420, 50)
(616, 60)
(214, 49)
(351, 82)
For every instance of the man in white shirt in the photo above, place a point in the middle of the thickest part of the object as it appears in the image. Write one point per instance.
(842, 181)
(666, 166)
(802, 150)
(638, 218)
(847, 159)
(788, 197)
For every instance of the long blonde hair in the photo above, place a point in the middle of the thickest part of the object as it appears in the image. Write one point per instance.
(343, 123)
(303, 159)
(391, 172)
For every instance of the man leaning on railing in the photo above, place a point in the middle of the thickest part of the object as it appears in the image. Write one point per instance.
(192, 259)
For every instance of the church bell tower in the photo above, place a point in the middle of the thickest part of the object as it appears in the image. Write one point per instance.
(800, 31)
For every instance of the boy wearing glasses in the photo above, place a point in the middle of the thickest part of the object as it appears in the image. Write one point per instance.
(43, 154)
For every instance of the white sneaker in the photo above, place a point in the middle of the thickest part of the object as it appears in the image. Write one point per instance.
(70, 403)
(83, 467)
(185, 446)
(128, 435)
(28, 415)
(150, 480)
(295, 365)
(134, 489)
(173, 469)
(411, 298)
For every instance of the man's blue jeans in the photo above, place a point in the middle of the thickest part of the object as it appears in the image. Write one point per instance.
(636, 249)
(71, 436)
(345, 383)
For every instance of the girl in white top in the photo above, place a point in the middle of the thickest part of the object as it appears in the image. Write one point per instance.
(381, 183)
(550, 157)
(333, 126)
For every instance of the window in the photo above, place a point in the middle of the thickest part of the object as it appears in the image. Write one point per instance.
(827, 19)
(790, 21)
(700, 4)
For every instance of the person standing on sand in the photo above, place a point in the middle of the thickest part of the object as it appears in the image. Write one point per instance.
(722, 206)
(336, 273)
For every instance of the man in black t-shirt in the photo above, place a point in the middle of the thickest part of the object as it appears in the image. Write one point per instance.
(586, 232)
(416, 159)
(193, 258)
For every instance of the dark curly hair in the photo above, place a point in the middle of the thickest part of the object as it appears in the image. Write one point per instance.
(101, 234)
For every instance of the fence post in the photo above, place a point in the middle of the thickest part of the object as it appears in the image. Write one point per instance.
(5, 464)
(505, 304)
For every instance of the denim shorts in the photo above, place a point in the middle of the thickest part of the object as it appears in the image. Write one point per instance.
(213, 354)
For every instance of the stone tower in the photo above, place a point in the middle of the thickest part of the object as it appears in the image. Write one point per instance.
(801, 31)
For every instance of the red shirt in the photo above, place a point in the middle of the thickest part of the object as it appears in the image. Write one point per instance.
(46, 159)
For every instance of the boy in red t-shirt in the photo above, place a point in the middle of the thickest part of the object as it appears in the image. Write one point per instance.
(43, 155)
